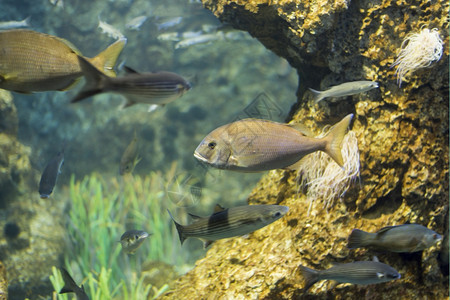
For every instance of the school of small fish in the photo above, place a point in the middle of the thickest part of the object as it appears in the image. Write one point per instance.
(247, 145)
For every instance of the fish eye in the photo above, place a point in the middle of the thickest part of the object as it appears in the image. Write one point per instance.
(212, 145)
(277, 214)
(136, 236)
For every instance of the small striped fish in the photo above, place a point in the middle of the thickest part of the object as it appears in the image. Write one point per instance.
(226, 223)
(150, 88)
(358, 272)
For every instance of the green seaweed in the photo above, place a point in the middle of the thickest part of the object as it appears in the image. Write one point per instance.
(101, 210)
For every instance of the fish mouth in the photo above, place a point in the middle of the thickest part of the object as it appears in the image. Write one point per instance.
(284, 209)
(200, 157)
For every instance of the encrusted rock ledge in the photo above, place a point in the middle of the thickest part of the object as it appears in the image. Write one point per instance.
(403, 141)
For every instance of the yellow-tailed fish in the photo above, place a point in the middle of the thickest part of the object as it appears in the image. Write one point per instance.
(400, 238)
(150, 88)
(31, 61)
(252, 145)
(129, 157)
(226, 223)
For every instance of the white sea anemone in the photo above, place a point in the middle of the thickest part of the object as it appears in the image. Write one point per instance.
(419, 50)
(322, 176)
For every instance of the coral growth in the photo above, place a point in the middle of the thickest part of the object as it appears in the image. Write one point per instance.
(419, 50)
(323, 178)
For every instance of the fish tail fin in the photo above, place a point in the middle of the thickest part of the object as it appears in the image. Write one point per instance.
(180, 229)
(334, 139)
(317, 95)
(27, 21)
(106, 60)
(69, 283)
(358, 238)
(311, 276)
(95, 80)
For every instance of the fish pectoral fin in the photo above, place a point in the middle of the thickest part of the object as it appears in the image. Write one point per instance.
(206, 243)
(380, 275)
(415, 245)
(233, 161)
(153, 107)
(9, 76)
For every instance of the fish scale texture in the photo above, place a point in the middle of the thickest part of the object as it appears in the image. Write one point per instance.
(403, 142)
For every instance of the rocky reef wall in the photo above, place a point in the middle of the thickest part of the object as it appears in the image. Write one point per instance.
(33, 236)
(403, 141)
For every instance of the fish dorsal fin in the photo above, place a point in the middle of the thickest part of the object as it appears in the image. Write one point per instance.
(384, 230)
(129, 70)
(375, 259)
(68, 44)
(303, 129)
(195, 217)
(218, 208)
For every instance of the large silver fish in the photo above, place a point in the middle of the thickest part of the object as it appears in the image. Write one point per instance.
(358, 272)
(401, 238)
(226, 223)
(253, 145)
(150, 88)
(71, 287)
(50, 175)
(131, 240)
(345, 89)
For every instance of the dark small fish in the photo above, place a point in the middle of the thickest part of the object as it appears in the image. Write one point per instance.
(401, 238)
(132, 240)
(358, 272)
(151, 88)
(50, 175)
(129, 157)
(71, 287)
(226, 223)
